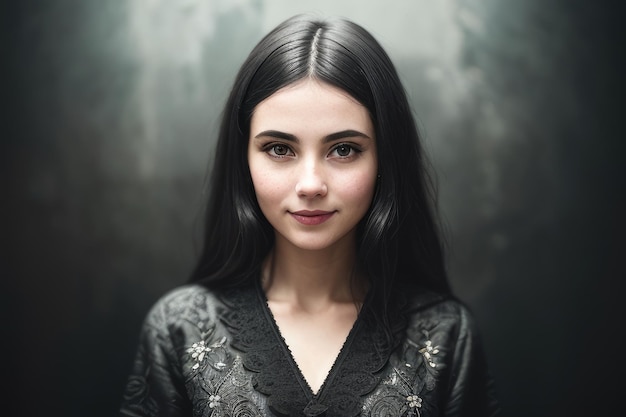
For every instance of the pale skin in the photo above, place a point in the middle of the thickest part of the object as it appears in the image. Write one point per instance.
(312, 157)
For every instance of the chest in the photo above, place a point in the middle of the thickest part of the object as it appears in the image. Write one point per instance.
(245, 368)
(314, 340)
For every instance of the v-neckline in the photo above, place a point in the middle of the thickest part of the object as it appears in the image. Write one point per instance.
(355, 373)
(297, 371)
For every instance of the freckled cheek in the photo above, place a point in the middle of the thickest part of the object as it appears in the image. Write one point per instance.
(359, 189)
(269, 188)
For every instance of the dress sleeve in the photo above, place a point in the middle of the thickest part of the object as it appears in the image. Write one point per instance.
(472, 392)
(155, 386)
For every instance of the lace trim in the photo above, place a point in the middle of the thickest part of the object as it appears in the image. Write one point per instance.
(355, 373)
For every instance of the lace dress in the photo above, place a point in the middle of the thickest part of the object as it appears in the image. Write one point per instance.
(204, 354)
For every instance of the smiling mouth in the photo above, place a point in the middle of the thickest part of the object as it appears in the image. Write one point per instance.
(311, 218)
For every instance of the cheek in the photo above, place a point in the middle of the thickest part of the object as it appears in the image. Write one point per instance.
(360, 189)
(268, 188)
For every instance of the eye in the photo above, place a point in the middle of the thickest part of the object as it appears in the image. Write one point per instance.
(278, 150)
(344, 150)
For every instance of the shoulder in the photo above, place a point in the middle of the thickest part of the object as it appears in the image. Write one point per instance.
(442, 316)
(186, 295)
(186, 304)
(437, 304)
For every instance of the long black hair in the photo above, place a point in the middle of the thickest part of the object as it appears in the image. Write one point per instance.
(399, 246)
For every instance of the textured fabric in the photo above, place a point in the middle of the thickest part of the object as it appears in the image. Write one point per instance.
(204, 354)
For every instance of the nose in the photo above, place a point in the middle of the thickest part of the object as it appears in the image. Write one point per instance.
(311, 182)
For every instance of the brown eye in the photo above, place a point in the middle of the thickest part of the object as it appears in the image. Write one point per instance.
(280, 150)
(343, 150)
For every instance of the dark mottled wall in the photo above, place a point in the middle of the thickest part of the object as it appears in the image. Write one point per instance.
(109, 113)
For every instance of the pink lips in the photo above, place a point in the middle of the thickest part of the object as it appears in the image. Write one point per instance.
(312, 218)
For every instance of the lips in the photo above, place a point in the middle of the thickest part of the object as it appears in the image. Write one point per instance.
(311, 217)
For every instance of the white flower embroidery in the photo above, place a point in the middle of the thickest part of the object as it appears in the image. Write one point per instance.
(428, 352)
(214, 401)
(200, 349)
(414, 401)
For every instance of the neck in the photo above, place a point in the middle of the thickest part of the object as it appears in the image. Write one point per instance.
(313, 279)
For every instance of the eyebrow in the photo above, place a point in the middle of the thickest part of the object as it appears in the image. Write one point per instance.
(330, 138)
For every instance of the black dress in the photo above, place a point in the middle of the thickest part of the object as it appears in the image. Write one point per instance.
(204, 354)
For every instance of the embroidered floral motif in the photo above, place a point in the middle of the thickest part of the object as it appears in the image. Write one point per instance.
(416, 373)
(199, 351)
(415, 403)
(428, 352)
(214, 401)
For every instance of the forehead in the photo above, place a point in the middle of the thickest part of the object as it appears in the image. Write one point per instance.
(311, 106)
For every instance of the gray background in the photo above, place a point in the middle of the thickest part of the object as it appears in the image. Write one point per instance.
(110, 115)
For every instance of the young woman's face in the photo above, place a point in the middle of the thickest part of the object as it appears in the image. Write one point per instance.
(312, 157)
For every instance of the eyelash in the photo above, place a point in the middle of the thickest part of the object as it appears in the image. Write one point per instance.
(270, 149)
(352, 149)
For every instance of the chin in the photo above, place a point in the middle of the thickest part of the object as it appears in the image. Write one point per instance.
(311, 243)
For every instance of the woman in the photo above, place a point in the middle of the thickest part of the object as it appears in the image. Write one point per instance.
(321, 288)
